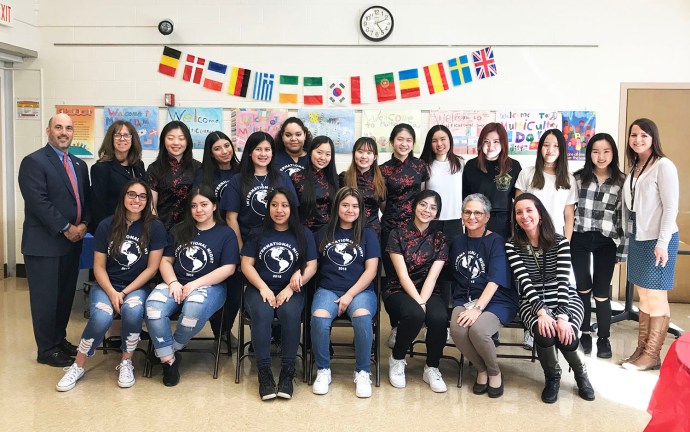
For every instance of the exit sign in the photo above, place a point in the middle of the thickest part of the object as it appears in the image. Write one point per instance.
(6, 14)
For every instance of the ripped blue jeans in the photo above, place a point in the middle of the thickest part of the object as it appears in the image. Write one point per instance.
(195, 309)
(101, 318)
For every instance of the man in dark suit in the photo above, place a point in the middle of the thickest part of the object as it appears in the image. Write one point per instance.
(55, 187)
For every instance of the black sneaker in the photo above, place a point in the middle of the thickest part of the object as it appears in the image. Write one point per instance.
(287, 374)
(604, 348)
(171, 372)
(586, 342)
(267, 385)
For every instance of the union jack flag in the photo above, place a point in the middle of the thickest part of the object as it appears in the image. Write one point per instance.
(484, 63)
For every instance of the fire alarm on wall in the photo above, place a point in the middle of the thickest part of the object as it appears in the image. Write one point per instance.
(170, 99)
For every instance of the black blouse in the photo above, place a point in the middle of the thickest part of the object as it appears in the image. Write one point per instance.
(172, 187)
(403, 180)
(107, 180)
(323, 199)
(372, 204)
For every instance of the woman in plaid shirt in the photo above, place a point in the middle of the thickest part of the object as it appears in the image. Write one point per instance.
(599, 234)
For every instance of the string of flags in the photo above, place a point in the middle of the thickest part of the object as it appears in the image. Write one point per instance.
(333, 91)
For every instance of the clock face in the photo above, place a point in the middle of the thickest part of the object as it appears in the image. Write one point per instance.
(376, 23)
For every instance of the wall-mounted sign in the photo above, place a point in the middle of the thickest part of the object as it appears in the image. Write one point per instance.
(6, 14)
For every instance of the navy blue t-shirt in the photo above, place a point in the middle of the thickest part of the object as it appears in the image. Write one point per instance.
(277, 258)
(220, 181)
(341, 264)
(476, 261)
(251, 209)
(284, 163)
(132, 259)
(210, 249)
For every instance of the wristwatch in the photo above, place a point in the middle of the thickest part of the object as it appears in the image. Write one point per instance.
(478, 307)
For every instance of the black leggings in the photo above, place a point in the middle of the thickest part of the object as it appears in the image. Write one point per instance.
(545, 341)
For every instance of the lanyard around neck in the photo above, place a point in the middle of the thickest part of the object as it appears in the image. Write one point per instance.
(633, 187)
(470, 263)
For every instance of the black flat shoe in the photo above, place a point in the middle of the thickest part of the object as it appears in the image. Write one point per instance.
(480, 389)
(495, 392)
(55, 359)
(586, 342)
(604, 348)
(67, 348)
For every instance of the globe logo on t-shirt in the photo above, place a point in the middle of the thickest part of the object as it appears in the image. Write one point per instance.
(129, 254)
(291, 169)
(279, 259)
(193, 258)
(341, 254)
(220, 189)
(471, 264)
(257, 200)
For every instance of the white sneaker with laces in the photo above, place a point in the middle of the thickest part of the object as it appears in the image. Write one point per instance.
(391, 337)
(72, 375)
(432, 376)
(323, 379)
(363, 384)
(396, 372)
(528, 341)
(126, 378)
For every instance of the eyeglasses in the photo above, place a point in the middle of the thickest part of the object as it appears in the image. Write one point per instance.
(134, 195)
(125, 136)
(476, 214)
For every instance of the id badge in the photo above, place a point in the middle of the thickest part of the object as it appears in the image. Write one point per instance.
(470, 304)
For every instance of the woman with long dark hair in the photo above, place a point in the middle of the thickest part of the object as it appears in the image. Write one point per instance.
(550, 308)
(317, 184)
(292, 142)
(172, 174)
(277, 259)
(218, 164)
(348, 261)
(128, 247)
(651, 192)
(202, 253)
(598, 236)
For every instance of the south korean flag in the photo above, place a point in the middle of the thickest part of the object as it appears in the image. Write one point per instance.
(338, 92)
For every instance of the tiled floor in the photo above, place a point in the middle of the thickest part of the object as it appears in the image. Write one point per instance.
(29, 400)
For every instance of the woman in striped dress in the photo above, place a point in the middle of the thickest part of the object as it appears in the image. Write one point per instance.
(549, 307)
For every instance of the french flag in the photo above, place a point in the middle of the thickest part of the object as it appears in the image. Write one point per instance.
(215, 76)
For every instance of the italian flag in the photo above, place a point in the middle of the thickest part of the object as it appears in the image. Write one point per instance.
(313, 90)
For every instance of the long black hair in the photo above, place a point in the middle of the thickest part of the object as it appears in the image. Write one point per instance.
(334, 221)
(162, 159)
(547, 233)
(118, 228)
(586, 173)
(185, 231)
(209, 164)
(428, 155)
(294, 225)
(307, 202)
(247, 166)
(562, 179)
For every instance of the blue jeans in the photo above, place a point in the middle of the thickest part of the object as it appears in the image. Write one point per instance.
(101, 318)
(196, 309)
(362, 325)
(262, 314)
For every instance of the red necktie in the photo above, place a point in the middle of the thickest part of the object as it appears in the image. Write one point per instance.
(73, 181)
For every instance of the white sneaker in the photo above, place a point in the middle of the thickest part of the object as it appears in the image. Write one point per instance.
(391, 338)
(363, 384)
(432, 376)
(72, 375)
(126, 378)
(528, 341)
(323, 379)
(396, 372)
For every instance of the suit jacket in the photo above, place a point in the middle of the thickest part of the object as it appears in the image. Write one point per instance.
(107, 181)
(49, 202)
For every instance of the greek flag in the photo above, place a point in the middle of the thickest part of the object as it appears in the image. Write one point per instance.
(263, 86)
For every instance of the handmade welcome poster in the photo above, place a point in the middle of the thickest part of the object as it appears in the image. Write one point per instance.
(200, 121)
(526, 127)
(378, 125)
(578, 128)
(338, 125)
(144, 119)
(84, 122)
(247, 121)
(464, 125)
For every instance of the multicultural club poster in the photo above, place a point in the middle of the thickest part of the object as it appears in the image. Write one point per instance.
(144, 119)
(200, 121)
(526, 127)
(84, 123)
(338, 125)
(378, 125)
(465, 127)
(247, 121)
(578, 128)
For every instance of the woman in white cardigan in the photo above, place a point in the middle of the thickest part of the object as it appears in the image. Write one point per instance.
(651, 194)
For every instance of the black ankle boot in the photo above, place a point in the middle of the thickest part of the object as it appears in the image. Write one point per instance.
(586, 342)
(287, 374)
(552, 373)
(267, 385)
(584, 387)
(604, 348)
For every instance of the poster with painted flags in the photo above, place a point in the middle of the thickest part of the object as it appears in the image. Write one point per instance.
(385, 87)
(144, 119)
(484, 63)
(245, 122)
(313, 90)
(338, 92)
(169, 61)
(200, 121)
(337, 124)
(464, 126)
(377, 124)
(263, 86)
(289, 89)
(526, 127)
(215, 76)
(193, 69)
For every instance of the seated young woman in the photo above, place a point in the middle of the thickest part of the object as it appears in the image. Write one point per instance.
(483, 298)
(418, 252)
(202, 253)
(128, 247)
(348, 262)
(277, 260)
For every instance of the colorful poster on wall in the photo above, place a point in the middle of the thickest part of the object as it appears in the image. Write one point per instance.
(464, 125)
(28, 108)
(526, 127)
(84, 122)
(378, 125)
(578, 128)
(338, 125)
(247, 121)
(144, 119)
(200, 121)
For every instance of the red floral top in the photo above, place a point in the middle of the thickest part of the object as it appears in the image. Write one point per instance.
(403, 181)
(322, 198)
(372, 204)
(173, 186)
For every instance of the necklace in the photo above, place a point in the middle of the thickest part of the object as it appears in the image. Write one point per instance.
(261, 182)
(549, 164)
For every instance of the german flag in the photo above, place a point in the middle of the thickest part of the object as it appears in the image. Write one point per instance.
(169, 61)
(239, 81)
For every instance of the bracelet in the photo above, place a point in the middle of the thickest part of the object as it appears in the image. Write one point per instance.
(172, 282)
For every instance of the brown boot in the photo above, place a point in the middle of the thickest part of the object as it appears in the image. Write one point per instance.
(651, 357)
(642, 334)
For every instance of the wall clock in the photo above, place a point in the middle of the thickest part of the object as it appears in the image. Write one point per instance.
(376, 23)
